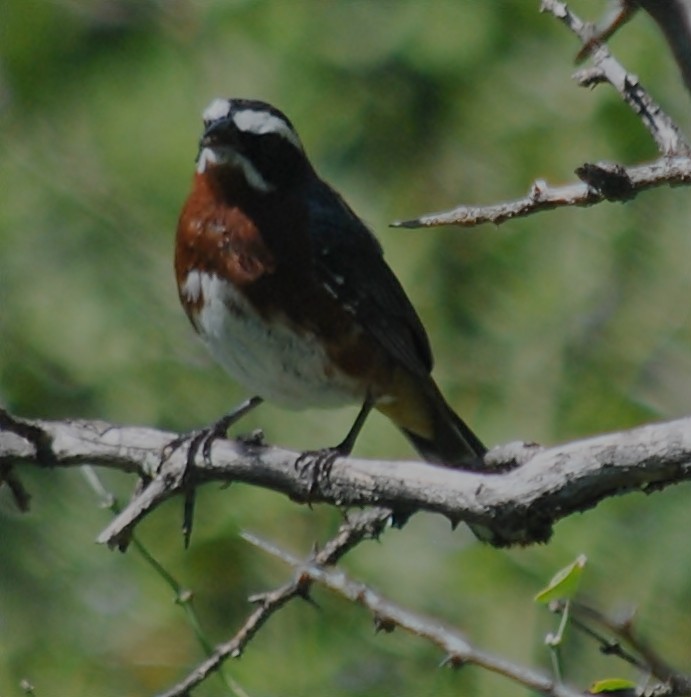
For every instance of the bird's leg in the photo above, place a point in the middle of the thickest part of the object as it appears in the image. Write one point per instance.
(345, 447)
(202, 439)
(319, 462)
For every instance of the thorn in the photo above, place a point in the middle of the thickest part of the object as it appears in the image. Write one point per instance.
(612, 647)
(304, 584)
(188, 515)
(537, 190)
(122, 541)
(412, 223)
(383, 624)
(305, 595)
(452, 661)
(19, 493)
(399, 518)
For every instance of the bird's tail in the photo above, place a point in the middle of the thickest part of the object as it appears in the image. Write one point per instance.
(432, 426)
(435, 431)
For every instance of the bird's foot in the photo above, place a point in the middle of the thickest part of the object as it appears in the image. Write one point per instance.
(317, 465)
(198, 440)
(201, 440)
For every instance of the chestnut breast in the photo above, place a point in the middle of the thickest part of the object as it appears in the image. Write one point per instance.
(246, 280)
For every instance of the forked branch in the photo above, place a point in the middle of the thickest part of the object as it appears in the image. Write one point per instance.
(602, 181)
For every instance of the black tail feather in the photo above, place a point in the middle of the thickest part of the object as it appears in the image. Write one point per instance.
(452, 443)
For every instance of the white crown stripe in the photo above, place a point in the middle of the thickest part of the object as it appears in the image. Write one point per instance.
(218, 109)
(251, 120)
(262, 122)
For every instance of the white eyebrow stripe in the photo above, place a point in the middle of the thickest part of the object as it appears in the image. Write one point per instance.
(262, 122)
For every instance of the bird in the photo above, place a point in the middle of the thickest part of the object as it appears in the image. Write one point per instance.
(289, 289)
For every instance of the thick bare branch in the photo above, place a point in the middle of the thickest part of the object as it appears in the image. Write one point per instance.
(517, 506)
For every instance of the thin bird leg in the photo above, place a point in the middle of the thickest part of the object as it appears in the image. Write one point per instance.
(319, 462)
(345, 447)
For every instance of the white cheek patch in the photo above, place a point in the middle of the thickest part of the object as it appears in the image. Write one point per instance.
(263, 122)
(221, 155)
(208, 157)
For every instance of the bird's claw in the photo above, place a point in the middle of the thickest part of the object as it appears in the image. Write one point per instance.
(317, 465)
(196, 441)
(201, 439)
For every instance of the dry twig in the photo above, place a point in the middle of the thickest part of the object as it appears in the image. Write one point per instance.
(363, 526)
(388, 616)
(673, 168)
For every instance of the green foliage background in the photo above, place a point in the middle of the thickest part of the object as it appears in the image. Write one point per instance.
(551, 328)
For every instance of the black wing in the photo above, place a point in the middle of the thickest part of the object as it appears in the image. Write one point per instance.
(350, 262)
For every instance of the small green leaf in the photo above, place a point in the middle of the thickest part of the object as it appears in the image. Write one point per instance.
(565, 582)
(611, 685)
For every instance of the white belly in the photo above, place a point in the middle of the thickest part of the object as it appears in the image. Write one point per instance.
(270, 360)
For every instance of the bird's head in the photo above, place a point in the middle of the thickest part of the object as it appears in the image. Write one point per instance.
(253, 139)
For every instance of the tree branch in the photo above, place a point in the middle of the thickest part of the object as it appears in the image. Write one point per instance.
(623, 627)
(514, 507)
(612, 183)
(602, 181)
(388, 616)
(664, 131)
(363, 526)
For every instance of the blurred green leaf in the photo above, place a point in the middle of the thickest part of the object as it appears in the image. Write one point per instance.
(609, 685)
(565, 583)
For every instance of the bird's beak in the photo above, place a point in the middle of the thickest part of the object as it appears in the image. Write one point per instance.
(222, 132)
(219, 135)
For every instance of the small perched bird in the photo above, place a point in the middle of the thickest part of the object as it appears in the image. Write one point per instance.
(290, 292)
